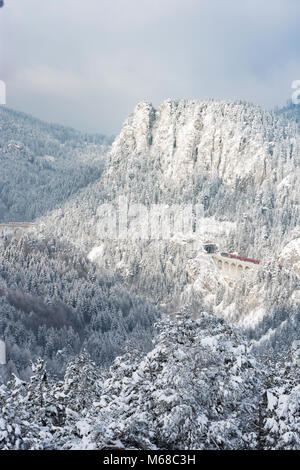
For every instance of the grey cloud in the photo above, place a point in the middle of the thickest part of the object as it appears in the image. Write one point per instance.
(114, 54)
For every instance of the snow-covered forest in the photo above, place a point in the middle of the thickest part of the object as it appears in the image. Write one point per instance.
(54, 302)
(237, 160)
(144, 344)
(199, 388)
(42, 165)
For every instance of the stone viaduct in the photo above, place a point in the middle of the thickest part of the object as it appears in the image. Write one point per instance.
(233, 267)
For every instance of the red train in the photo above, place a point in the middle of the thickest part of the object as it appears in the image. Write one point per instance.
(250, 260)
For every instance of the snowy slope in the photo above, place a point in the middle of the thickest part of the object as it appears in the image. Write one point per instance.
(42, 165)
(237, 160)
(290, 256)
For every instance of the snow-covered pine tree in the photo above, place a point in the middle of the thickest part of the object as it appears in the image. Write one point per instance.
(197, 389)
(82, 383)
(281, 411)
(18, 427)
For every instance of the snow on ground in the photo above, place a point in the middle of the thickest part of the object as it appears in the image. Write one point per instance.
(96, 253)
(290, 256)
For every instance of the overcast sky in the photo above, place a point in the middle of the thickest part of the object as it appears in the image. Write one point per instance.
(87, 63)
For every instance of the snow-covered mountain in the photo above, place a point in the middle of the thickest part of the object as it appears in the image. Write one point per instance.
(71, 283)
(42, 165)
(291, 111)
(237, 160)
(213, 152)
(236, 142)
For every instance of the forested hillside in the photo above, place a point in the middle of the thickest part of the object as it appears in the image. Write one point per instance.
(221, 369)
(291, 111)
(42, 165)
(54, 302)
(241, 164)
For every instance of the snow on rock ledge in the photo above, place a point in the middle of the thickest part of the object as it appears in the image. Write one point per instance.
(235, 141)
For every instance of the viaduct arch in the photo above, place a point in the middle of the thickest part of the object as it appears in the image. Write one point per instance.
(232, 266)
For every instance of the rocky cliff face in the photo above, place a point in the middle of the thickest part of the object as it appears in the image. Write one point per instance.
(183, 140)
